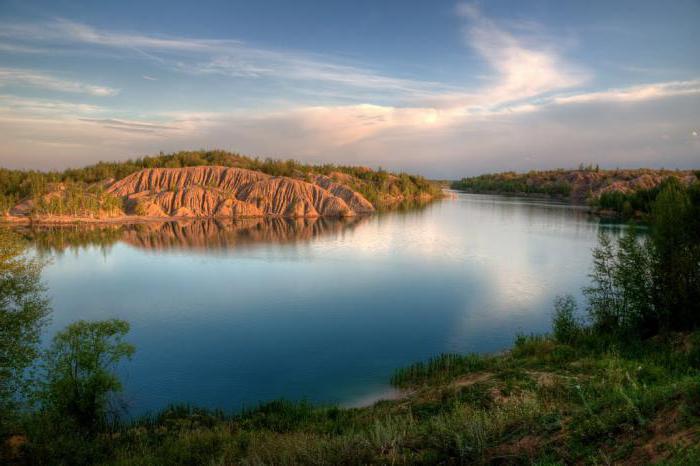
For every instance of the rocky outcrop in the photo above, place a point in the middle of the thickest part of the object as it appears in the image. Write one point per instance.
(212, 191)
(353, 199)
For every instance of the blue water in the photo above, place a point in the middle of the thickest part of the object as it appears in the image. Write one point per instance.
(229, 315)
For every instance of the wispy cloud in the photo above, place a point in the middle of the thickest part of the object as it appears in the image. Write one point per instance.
(129, 125)
(532, 104)
(634, 93)
(11, 104)
(230, 58)
(29, 78)
(522, 68)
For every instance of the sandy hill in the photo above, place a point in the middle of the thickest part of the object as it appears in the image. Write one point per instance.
(233, 192)
(209, 192)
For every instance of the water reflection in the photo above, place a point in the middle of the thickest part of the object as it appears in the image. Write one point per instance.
(226, 314)
(196, 235)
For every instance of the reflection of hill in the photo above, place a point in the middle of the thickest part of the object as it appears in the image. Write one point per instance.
(59, 238)
(229, 233)
(197, 235)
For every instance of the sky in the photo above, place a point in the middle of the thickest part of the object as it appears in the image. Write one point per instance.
(440, 88)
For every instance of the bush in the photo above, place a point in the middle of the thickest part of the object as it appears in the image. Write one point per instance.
(566, 326)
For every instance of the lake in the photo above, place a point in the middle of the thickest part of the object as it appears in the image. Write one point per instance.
(230, 314)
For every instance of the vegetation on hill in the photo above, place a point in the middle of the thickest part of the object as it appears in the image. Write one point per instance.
(619, 383)
(627, 193)
(548, 183)
(83, 193)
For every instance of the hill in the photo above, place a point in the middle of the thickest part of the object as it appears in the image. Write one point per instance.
(205, 184)
(627, 192)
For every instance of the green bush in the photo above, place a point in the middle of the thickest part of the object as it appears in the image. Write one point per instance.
(567, 327)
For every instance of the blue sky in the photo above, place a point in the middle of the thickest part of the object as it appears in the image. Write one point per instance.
(441, 88)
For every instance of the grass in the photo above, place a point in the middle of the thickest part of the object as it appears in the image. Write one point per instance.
(542, 403)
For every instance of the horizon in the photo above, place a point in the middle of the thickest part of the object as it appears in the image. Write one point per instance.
(444, 91)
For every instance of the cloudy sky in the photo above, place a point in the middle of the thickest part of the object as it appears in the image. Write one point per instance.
(441, 88)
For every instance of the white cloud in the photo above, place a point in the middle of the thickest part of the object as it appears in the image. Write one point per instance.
(522, 69)
(531, 111)
(634, 93)
(20, 77)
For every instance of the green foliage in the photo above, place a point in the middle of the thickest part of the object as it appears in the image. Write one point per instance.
(619, 296)
(635, 203)
(79, 373)
(567, 327)
(23, 312)
(676, 256)
(547, 183)
(645, 285)
(77, 200)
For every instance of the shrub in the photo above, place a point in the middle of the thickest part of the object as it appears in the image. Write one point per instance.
(567, 327)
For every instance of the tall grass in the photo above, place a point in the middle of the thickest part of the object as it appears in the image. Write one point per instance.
(440, 368)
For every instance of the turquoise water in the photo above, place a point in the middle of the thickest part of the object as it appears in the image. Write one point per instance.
(229, 315)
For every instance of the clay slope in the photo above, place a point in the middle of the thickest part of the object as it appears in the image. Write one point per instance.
(212, 191)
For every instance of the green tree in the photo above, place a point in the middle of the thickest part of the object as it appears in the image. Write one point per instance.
(79, 370)
(642, 286)
(676, 249)
(23, 312)
(603, 294)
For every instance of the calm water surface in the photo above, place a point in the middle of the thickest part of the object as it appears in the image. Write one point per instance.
(228, 315)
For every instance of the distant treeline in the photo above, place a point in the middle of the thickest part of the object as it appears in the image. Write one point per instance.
(549, 183)
(16, 185)
(588, 185)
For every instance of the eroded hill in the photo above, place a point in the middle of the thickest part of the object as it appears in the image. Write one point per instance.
(212, 184)
(232, 192)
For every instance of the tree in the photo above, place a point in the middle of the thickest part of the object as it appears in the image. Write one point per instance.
(79, 373)
(676, 249)
(23, 313)
(603, 294)
(647, 285)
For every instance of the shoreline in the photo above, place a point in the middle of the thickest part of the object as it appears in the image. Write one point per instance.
(11, 220)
